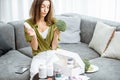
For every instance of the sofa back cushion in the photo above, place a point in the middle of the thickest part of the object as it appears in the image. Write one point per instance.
(4, 46)
(7, 33)
(72, 32)
(20, 40)
(88, 25)
(101, 37)
(113, 50)
(87, 29)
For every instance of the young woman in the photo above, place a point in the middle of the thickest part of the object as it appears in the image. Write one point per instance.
(41, 32)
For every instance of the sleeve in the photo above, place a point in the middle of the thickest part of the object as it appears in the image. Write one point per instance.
(28, 38)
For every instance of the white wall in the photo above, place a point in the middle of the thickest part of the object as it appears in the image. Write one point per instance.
(118, 10)
(11, 10)
(70, 6)
(105, 9)
(19, 9)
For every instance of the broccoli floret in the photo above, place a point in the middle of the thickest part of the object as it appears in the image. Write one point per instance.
(87, 64)
(61, 25)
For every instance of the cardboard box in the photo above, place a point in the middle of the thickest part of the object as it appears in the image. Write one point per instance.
(63, 55)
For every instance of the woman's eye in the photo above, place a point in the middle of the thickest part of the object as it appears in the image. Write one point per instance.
(42, 6)
(48, 7)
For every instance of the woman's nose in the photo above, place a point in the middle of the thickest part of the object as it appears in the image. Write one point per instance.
(45, 10)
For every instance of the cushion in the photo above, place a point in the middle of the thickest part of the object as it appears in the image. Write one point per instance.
(113, 49)
(4, 47)
(101, 37)
(72, 33)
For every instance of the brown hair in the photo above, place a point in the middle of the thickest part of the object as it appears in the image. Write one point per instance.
(35, 12)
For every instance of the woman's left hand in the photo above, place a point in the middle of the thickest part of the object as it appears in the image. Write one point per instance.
(56, 32)
(55, 38)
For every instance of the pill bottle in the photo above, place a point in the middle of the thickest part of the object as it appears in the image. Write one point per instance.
(50, 70)
(42, 71)
(58, 74)
(70, 62)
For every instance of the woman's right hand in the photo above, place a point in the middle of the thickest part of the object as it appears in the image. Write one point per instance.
(33, 42)
(30, 31)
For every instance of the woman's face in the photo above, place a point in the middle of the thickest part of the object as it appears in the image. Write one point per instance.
(45, 8)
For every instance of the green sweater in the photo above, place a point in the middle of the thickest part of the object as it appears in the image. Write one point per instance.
(43, 44)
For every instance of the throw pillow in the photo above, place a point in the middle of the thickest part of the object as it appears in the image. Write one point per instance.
(113, 49)
(4, 47)
(72, 32)
(101, 37)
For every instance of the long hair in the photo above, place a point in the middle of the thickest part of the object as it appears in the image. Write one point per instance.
(35, 11)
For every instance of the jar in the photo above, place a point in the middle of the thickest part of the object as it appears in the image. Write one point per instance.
(50, 69)
(58, 75)
(70, 62)
(42, 71)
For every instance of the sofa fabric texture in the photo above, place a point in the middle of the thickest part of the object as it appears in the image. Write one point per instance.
(20, 41)
(4, 46)
(9, 63)
(21, 53)
(8, 34)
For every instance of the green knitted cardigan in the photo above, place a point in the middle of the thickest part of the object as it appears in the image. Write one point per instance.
(43, 44)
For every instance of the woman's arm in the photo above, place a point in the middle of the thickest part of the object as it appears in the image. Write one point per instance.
(55, 39)
(34, 42)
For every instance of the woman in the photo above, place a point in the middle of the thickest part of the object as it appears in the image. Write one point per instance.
(41, 32)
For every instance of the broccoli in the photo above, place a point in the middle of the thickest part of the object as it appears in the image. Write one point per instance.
(87, 64)
(61, 25)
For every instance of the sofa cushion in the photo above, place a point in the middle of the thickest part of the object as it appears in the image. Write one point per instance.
(19, 31)
(9, 63)
(118, 28)
(4, 46)
(109, 69)
(81, 48)
(26, 51)
(71, 15)
(72, 32)
(7, 32)
(88, 25)
(113, 50)
(1, 22)
(101, 37)
(87, 29)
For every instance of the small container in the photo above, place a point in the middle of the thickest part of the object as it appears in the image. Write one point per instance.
(70, 62)
(42, 71)
(58, 75)
(50, 70)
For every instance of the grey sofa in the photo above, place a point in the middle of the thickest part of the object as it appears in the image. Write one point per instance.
(21, 53)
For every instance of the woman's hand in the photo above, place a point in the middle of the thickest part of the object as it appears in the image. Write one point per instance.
(34, 42)
(55, 38)
(30, 31)
(56, 32)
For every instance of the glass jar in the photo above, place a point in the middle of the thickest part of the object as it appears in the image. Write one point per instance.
(42, 71)
(50, 70)
(58, 75)
(70, 62)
